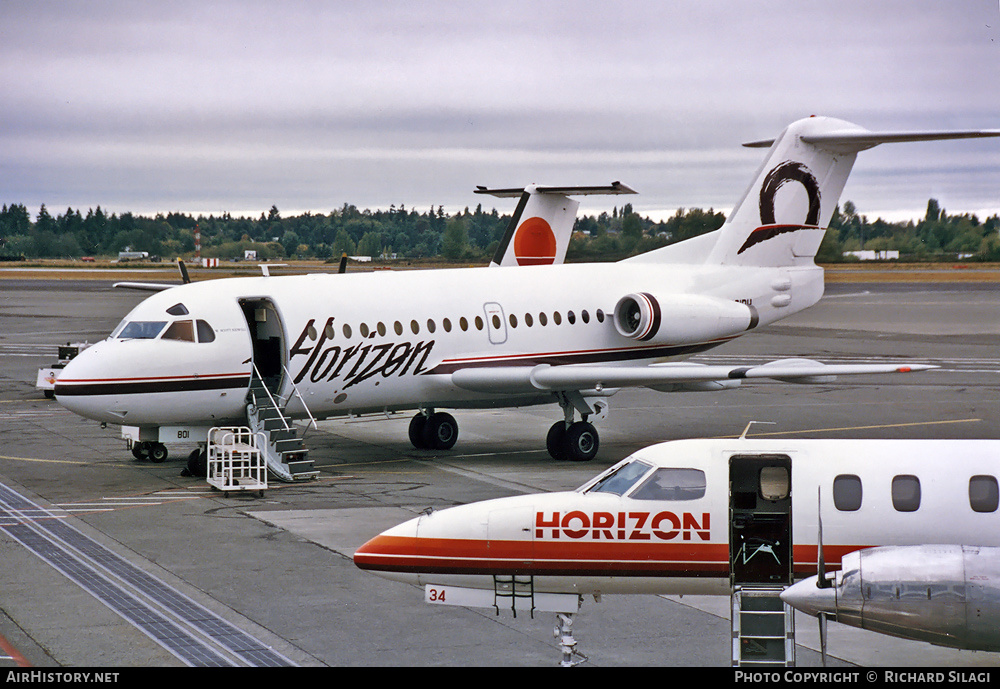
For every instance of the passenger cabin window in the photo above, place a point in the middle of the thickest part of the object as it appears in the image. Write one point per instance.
(984, 494)
(906, 493)
(621, 479)
(142, 330)
(180, 330)
(670, 483)
(847, 493)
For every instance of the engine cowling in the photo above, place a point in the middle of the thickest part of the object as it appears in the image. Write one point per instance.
(948, 595)
(681, 318)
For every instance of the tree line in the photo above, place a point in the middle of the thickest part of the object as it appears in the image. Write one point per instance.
(468, 236)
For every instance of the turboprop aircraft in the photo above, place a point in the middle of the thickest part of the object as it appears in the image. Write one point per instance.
(238, 350)
(737, 517)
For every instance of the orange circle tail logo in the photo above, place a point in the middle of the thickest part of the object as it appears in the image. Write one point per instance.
(534, 243)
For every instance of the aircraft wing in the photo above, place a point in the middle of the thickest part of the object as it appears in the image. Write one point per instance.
(156, 286)
(542, 377)
(144, 286)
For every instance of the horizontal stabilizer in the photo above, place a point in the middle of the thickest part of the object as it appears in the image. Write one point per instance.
(610, 190)
(542, 224)
(543, 377)
(862, 139)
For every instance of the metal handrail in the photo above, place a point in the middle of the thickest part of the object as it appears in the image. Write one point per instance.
(270, 396)
(298, 394)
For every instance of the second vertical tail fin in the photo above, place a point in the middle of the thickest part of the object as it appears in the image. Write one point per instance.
(540, 229)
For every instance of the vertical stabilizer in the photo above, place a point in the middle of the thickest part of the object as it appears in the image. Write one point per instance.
(782, 217)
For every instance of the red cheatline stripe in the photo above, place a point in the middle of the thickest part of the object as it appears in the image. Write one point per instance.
(470, 556)
(152, 378)
(577, 352)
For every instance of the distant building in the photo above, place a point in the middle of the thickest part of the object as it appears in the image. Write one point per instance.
(874, 255)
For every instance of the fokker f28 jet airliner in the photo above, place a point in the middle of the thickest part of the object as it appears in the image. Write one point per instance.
(316, 346)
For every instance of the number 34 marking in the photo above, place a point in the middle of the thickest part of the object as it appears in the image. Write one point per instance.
(435, 595)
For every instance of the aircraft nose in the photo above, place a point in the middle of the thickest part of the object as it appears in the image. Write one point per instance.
(390, 551)
(74, 388)
(807, 597)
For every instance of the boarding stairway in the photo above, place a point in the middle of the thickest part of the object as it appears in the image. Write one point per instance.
(763, 627)
(286, 455)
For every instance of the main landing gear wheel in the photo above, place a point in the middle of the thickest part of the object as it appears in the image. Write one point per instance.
(555, 441)
(417, 424)
(578, 443)
(440, 431)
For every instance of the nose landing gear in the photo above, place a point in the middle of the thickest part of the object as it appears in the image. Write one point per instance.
(154, 452)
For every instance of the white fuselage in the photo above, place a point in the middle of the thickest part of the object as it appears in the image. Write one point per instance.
(677, 527)
(356, 343)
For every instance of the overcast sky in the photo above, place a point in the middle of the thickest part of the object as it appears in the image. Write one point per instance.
(208, 107)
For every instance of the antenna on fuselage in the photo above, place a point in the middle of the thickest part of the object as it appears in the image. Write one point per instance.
(747, 429)
(343, 263)
(265, 268)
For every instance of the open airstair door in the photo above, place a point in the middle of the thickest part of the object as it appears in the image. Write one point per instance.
(267, 413)
(267, 338)
(760, 559)
(760, 541)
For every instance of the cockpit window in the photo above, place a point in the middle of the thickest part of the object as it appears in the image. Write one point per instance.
(621, 479)
(178, 310)
(180, 330)
(205, 332)
(141, 330)
(671, 483)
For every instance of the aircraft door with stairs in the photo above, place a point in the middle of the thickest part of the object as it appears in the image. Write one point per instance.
(760, 559)
(287, 458)
(267, 339)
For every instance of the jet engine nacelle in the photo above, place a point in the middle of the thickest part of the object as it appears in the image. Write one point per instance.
(681, 318)
(948, 595)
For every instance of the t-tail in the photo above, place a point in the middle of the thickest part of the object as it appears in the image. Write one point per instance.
(781, 219)
(542, 224)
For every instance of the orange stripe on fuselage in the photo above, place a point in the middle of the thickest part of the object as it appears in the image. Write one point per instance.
(478, 556)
